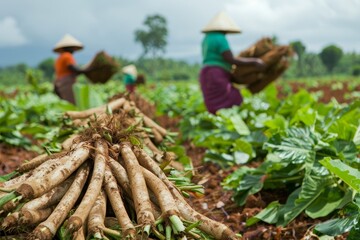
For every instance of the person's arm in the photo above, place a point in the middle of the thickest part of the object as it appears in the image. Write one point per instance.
(228, 57)
(78, 70)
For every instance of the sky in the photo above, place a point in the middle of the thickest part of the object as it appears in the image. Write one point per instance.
(29, 29)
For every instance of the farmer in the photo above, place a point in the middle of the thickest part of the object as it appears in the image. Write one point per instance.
(66, 70)
(130, 75)
(215, 75)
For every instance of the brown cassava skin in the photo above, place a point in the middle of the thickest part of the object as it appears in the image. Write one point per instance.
(139, 190)
(157, 154)
(82, 211)
(158, 138)
(162, 193)
(269, 77)
(48, 228)
(97, 215)
(10, 220)
(51, 197)
(15, 182)
(33, 163)
(79, 234)
(117, 204)
(35, 187)
(121, 177)
(216, 229)
(120, 174)
(31, 217)
(69, 143)
(261, 47)
(98, 110)
(10, 205)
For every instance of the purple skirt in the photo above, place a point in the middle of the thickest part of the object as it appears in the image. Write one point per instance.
(218, 92)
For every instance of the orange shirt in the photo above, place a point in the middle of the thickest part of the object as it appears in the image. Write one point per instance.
(62, 65)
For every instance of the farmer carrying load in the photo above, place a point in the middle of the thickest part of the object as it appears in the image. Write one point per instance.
(65, 67)
(130, 75)
(215, 75)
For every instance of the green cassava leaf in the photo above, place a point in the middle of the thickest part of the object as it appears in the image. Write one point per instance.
(297, 146)
(311, 188)
(356, 138)
(268, 214)
(337, 226)
(348, 174)
(326, 203)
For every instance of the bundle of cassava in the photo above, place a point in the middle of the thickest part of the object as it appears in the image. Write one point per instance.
(110, 181)
(101, 68)
(275, 57)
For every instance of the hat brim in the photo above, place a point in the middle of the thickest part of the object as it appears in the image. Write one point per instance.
(221, 30)
(61, 49)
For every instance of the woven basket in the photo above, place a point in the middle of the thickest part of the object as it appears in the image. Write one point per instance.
(103, 67)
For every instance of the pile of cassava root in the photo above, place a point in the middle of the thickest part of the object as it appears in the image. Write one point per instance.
(108, 182)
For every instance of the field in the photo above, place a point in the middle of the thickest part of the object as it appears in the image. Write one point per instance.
(273, 168)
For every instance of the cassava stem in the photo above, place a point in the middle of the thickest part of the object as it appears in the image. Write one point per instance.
(93, 190)
(48, 228)
(117, 204)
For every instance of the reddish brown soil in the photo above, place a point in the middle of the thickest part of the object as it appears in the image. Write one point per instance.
(11, 157)
(216, 202)
(327, 92)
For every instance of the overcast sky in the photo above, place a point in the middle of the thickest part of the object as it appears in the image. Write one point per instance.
(30, 28)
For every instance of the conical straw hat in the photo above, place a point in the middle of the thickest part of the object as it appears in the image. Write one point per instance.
(222, 22)
(130, 69)
(68, 41)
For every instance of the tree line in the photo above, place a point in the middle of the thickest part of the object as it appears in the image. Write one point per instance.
(153, 39)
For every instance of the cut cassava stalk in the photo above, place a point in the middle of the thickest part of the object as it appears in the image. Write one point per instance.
(216, 229)
(10, 220)
(102, 109)
(48, 228)
(147, 121)
(118, 206)
(12, 204)
(139, 190)
(35, 187)
(82, 211)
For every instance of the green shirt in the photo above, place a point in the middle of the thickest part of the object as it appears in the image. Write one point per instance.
(129, 79)
(213, 45)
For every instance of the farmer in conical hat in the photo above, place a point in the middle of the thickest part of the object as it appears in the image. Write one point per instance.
(215, 76)
(65, 67)
(130, 75)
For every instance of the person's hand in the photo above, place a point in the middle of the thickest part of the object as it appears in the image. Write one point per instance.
(259, 64)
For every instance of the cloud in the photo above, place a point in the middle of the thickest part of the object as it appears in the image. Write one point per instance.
(110, 25)
(10, 33)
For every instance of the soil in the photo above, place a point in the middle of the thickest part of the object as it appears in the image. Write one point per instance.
(216, 202)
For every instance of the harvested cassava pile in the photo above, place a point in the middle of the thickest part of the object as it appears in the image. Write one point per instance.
(276, 59)
(103, 67)
(109, 181)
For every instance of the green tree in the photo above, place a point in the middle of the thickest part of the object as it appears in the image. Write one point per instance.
(47, 67)
(330, 57)
(299, 49)
(153, 39)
